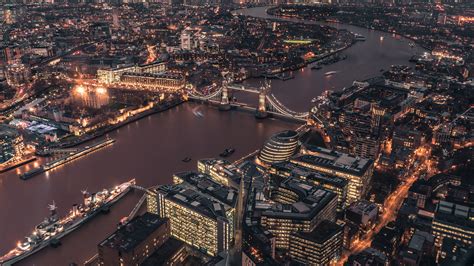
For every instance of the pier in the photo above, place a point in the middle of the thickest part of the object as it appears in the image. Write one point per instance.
(68, 158)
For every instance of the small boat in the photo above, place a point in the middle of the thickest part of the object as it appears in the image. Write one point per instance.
(198, 114)
(359, 37)
(227, 152)
(186, 160)
(316, 67)
(330, 73)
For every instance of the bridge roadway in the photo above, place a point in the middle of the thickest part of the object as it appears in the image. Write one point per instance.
(246, 107)
(235, 87)
(267, 103)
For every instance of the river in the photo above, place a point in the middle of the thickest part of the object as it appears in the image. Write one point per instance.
(364, 60)
(151, 149)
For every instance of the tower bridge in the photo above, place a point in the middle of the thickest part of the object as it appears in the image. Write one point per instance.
(267, 102)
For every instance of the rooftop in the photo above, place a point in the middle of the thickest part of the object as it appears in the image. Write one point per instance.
(362, 206)
(223, 167)
(312, 199)
(310, 174)
(325, 230)
(457, 214)
(335, 160)
(127, 237)
(201, 197)
(205, 184)
(167, 250)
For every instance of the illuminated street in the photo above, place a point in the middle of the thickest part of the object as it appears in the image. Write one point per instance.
(252, 133)
(391, 207)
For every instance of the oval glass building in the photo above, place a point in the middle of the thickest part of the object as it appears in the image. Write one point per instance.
(280, 147)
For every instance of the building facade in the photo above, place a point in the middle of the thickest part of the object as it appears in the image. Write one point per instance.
(134, 242)
(11, 145)
(320, 247)
(197, 218)
(299, 207)
(280, 147)
(358, 171)
(454, 221)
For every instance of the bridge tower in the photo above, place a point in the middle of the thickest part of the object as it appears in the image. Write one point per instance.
(262, 101)
(225, 105)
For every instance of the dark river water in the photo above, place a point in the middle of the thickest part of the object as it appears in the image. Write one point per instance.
(151, 149)
(364, 60)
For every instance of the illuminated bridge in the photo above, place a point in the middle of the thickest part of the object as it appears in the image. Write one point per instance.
(267, 102)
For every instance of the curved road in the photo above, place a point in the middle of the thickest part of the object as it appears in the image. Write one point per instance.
(152, 149)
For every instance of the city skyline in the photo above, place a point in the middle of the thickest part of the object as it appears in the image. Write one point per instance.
(237, 133)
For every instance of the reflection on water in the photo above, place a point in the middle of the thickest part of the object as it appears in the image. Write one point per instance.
(364, 60)
(151, 149)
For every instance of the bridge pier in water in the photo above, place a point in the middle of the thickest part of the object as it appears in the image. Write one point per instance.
(267, 103)
(261, 111)
(225, 105)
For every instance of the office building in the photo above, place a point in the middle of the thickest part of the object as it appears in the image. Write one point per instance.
(11, 145)
(387, 240)
(188, 40)
(355, 123)
(420, 248)
(199, 213)
(132, 243)
(220, 171)
(404, 137)
(280, 147)
(298, 206)
(368, 256)
(453, 252)
(332, 183)
(258, 246)
(17, 74)
(320, 247)
(172, 252)
(365, 146)
(453, 221)
(420, 191)
(358, 171)
(363, 214)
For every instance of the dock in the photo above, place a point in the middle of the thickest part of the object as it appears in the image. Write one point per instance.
(66, 159)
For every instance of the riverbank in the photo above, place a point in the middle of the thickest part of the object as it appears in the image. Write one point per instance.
(364, 60)
(269, 9)
(103, 131)
(17, 164)
(348, 41)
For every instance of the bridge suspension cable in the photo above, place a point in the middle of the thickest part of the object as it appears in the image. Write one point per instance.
(197, 95)
(280, 108)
